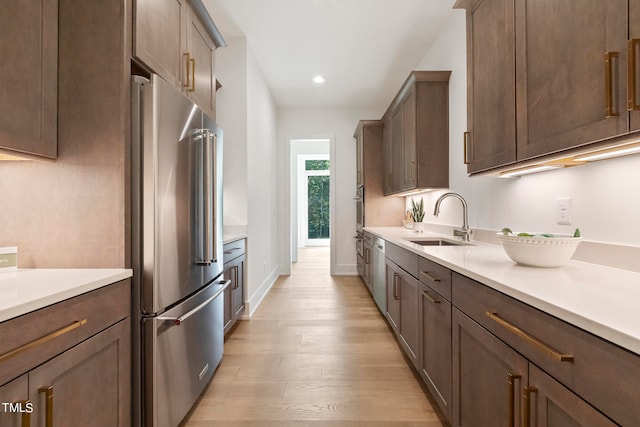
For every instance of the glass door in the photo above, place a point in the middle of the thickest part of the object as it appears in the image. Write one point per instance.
(314, 202)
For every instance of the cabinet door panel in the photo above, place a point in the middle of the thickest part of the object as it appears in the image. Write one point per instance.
(488, 377)
(202, 51)
(15, 392)
(397, 150)
(159, 37)
(409, 316)
(29, 75)
(561, 73)
(634, 34)
(491, 95)
(553, 405)
(409, 141)
(435, 351)
(91, 382)
(393, 296)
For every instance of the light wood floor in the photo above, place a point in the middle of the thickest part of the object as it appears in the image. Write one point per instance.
(317, 352)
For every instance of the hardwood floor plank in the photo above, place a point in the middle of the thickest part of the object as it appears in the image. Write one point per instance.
(317, 353)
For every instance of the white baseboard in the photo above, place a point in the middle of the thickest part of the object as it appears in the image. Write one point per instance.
(256, 299)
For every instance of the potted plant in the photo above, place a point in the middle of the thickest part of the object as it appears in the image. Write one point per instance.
(417, 213)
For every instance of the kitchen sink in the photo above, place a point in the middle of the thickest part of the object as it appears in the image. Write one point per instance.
(440, 242)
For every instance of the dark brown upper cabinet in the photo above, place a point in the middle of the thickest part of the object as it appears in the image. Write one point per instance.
(29, 76)
(177, 40)
(416, 134)
(546, 77)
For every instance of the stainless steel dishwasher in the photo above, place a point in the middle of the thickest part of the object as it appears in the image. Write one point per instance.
(379, 274)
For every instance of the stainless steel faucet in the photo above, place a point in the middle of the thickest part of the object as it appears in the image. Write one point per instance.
(465, 232)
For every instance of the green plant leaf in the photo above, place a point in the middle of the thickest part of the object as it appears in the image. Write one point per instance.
(576, 233)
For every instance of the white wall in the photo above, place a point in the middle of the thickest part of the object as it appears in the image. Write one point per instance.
(337, 124)
(231, 115)
(247, 114)
(606, 200)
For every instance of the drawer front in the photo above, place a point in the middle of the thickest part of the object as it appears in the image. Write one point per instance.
(405, 259)
(48, 332)
(602, 373)
(233, 250)
(435, 276)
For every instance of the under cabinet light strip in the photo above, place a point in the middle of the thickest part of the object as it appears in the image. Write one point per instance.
(528, 170)
(612, 152)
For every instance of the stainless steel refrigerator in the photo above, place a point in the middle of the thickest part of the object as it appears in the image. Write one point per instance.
(176, 158)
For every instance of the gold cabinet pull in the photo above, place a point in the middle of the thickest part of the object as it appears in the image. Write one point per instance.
(632, 101)
(186, 56)
(192, 61)
(413, 172)
(396, 276)
(429, 277)
(608, 77)
(42, 340)
(512, 397)
(26, 414)
(466, 149)
(527, 404)
(237, 279)
(556, 355)
(430, 298)
(48, 395)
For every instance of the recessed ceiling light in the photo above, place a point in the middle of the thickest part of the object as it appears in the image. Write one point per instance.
(318, 80)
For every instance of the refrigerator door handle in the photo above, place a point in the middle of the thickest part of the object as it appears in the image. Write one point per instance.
(214, 211)
(178, 320)
(207, 197)
(202, 201)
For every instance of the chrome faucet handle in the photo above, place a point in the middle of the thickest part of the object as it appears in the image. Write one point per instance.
(465, 234)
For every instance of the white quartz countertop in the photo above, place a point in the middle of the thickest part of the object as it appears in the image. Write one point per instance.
(602, 300)
(26, 290)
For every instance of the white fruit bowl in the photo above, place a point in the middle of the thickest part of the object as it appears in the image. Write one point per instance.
(540, 251)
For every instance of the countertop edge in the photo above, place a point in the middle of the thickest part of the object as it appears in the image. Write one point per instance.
(102, 277)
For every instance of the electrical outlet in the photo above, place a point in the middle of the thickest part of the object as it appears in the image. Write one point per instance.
(564, 211)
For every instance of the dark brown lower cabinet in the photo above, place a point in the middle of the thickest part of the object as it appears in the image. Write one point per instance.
(15, 394)
(403, 309)
(488, 377)
(87, 385)
(435, 348)
(234, 270)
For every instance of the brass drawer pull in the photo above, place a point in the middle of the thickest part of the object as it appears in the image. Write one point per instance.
(430, 298)
(608, 77)
(632, 101)
(193, 75)
(48, 394)
(43, 339)
(396, 276)
(429, 276)
(556, 355)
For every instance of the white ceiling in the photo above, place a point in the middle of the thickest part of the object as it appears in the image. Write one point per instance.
(365, 49)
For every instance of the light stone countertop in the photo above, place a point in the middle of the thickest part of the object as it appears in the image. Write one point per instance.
(602, 300)
(26, 290)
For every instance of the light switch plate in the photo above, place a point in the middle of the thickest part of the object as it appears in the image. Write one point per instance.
(564, 210)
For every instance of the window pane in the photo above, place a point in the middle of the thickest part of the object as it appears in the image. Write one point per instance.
(316, 165)
(318, 209)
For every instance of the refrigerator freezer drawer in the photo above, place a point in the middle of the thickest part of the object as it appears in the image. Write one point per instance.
(183, 348)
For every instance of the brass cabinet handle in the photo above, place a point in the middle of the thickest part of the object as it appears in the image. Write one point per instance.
(466, 150)
(560, 357)
(193, 75)
(26, 415)
(430, 298)
(48, 394)
(43, 339)
(186, 56)
(237, 274)
(608, 77)
(512, 397)
(632, 102)
(396, 276)
(527, 404)
(414, 175)
(429, 276)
